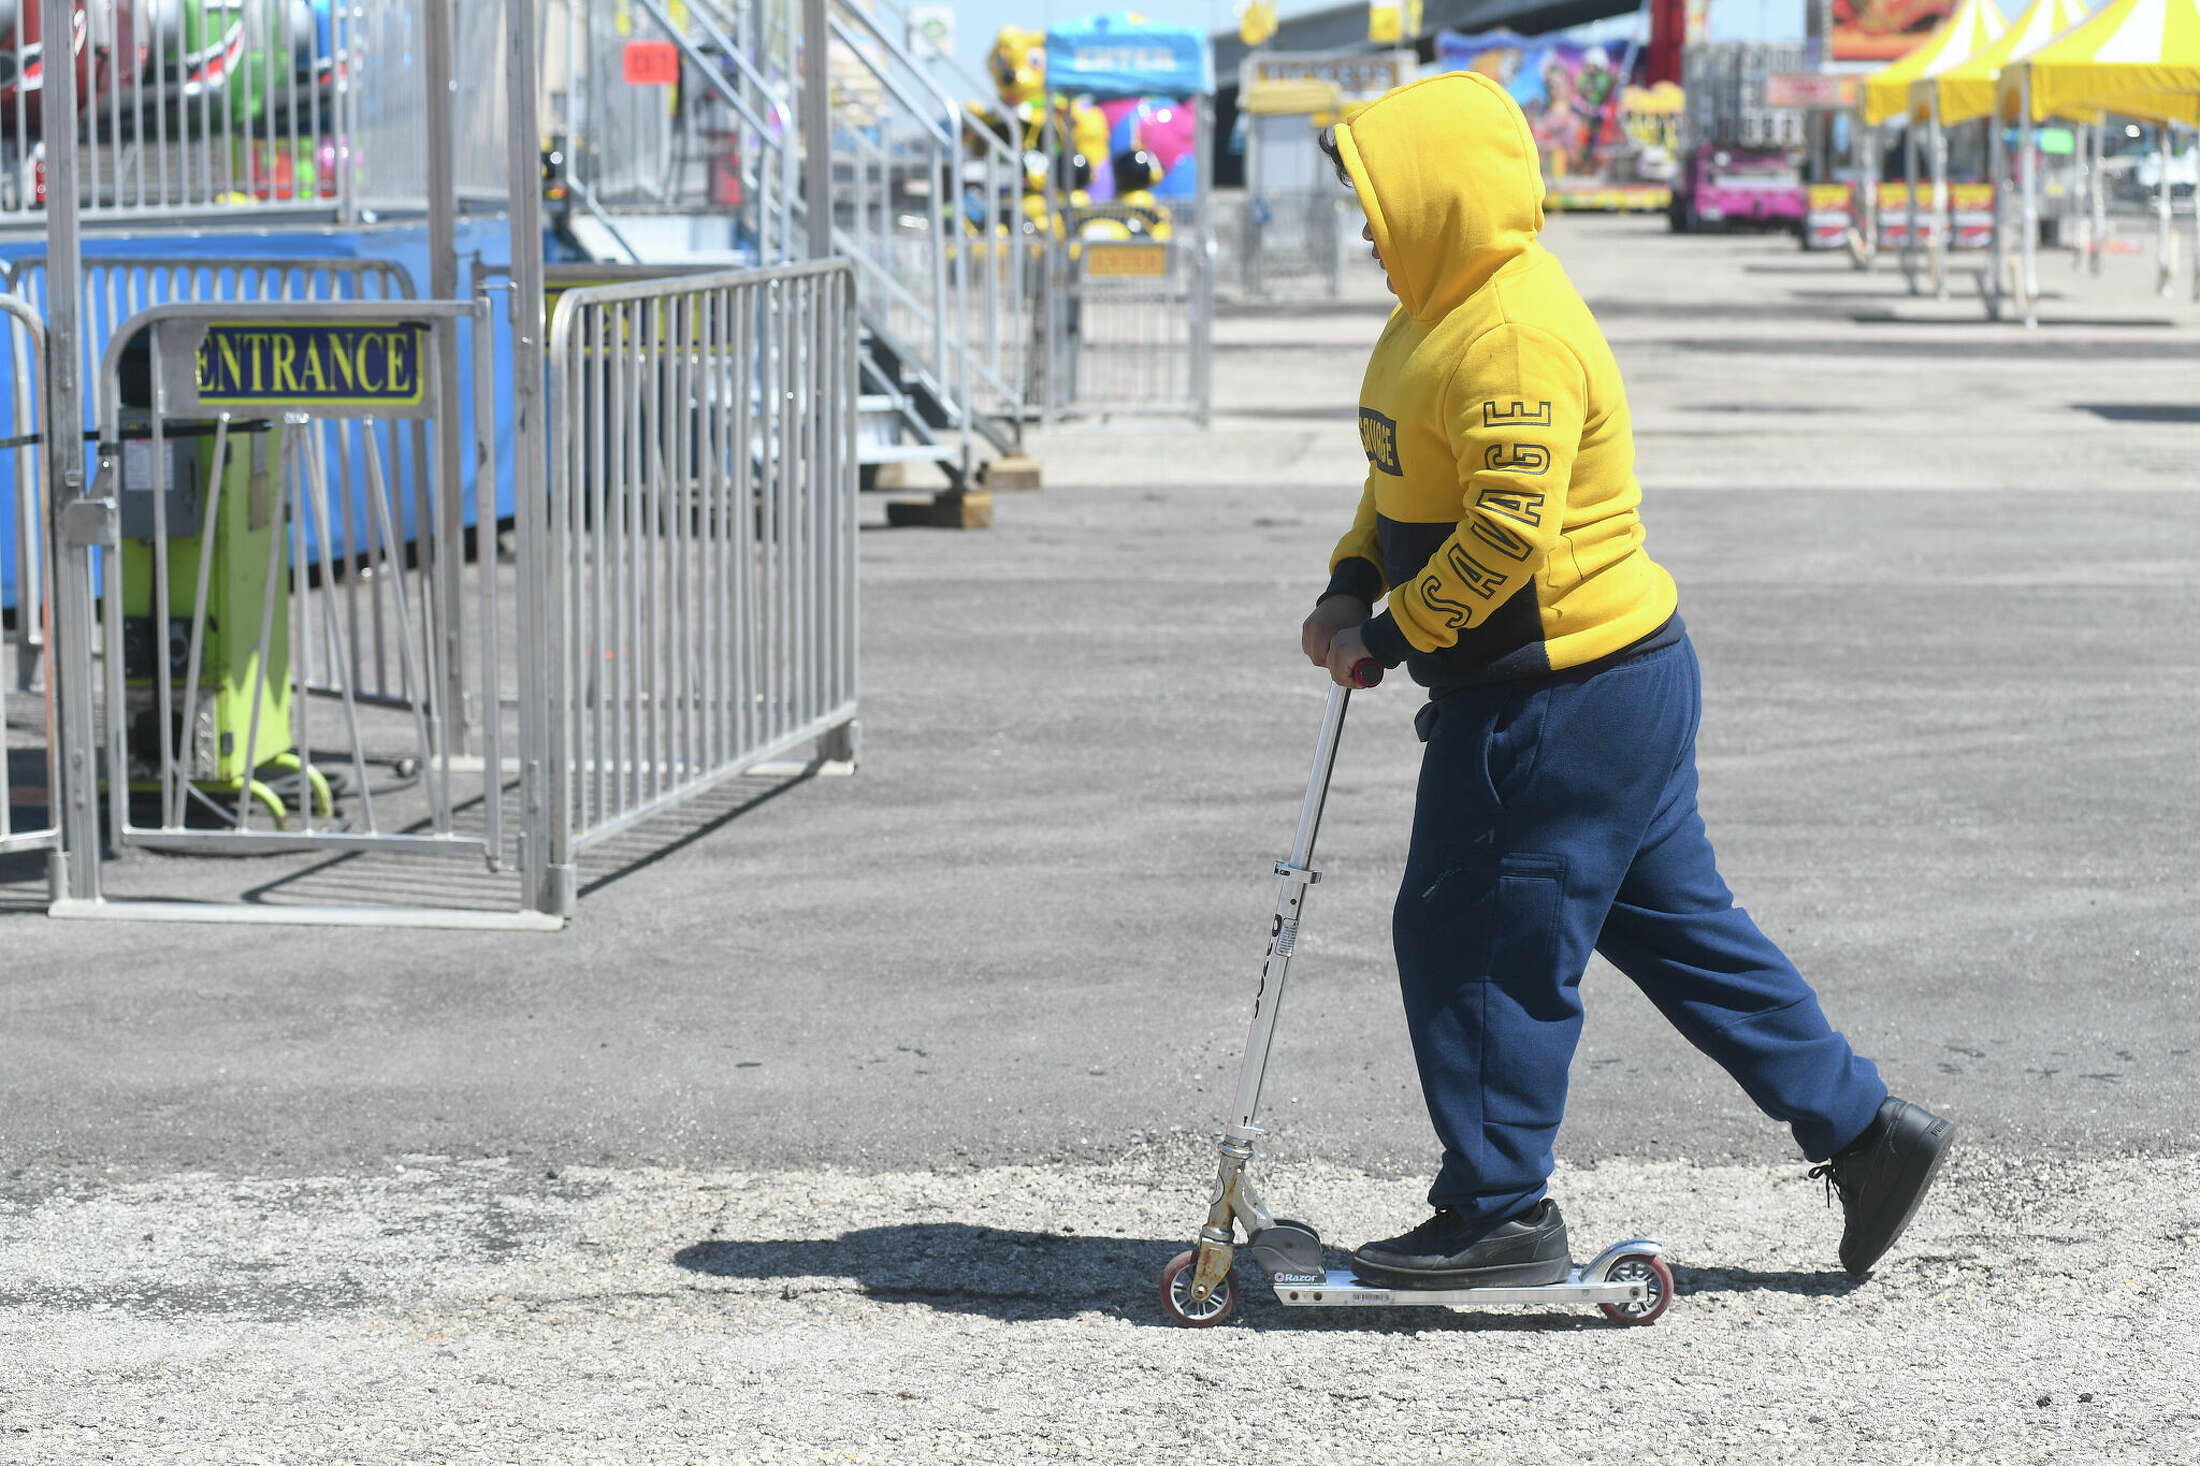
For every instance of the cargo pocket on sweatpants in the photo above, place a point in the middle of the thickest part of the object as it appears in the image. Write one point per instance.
(1533, 1018)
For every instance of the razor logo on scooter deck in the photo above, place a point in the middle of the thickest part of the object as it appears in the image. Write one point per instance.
(1300, 1280)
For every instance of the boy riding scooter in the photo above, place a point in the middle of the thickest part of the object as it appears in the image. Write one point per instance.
(1557, 804)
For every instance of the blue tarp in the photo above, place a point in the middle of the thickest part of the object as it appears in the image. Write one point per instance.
(404, 246)
(1122, 56)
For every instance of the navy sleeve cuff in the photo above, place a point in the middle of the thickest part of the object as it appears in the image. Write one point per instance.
(1385, 642)
(1356, 576)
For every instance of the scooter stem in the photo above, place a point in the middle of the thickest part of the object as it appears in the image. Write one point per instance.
(1296, 875)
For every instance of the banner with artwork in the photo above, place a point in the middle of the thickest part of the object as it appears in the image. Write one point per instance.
(1881, 30)
(1563, 83)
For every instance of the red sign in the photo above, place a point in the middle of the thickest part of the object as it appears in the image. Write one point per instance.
(652, 64)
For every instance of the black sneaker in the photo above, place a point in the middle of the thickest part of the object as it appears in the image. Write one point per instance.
(1449, 1251)
(1882, 1178)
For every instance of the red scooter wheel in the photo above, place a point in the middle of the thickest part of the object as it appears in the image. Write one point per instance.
(1657, 1283)
(1195, 1313)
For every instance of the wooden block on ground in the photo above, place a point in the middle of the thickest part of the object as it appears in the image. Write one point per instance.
(1012, 471)
(889, 475)
(949, 509)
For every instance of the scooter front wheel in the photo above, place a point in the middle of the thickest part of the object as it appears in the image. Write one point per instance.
(1195, 1313)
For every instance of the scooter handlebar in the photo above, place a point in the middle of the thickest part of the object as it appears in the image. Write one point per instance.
(1367, 672)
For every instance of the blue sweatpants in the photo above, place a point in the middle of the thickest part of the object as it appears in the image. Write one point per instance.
(1559, 815)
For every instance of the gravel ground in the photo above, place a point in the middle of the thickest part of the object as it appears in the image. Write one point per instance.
(447, 1311)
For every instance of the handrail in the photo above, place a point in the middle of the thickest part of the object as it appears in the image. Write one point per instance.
(946, 134)
(952, 106)
(976, 85)
(621, 292)
(949, 105)
(900, 295)
(710, 70)
(597, 212)
(720, 28)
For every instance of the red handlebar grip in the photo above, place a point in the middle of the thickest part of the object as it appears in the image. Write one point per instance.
(1367, 672)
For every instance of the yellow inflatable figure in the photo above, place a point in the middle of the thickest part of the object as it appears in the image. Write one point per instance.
(1019, 65)
(1088, 131)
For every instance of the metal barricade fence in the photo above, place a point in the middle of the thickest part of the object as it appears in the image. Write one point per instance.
(1294, 208)
(1293, 239)
(27, 727)
(700, 602)
(187, 105)
(211, 538)
(118, 287)
(1130, 299)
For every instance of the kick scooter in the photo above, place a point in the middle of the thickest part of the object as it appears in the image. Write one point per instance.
(1629, 1280)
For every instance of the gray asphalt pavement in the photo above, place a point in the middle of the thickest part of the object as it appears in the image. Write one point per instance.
(1941, 576)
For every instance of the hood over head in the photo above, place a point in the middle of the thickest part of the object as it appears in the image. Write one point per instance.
(1452, 184)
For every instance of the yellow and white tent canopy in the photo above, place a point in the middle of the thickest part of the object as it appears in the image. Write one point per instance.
(2137, 57)
(1967, 91)
(1969, 29)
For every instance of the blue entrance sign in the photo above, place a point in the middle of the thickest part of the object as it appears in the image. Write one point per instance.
(363, 364)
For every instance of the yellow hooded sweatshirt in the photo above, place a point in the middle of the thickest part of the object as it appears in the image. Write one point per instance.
(1499, 509)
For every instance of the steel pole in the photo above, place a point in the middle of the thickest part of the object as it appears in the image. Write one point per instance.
(1943, 220)
(817, 125)
(2028, 284)
(1297, 874)
(2097, 201)
(530, 450)
(1866, 144)
(434, 17)
(1909, 226)
(1997, 173)
(75, 875)
(2165, 244)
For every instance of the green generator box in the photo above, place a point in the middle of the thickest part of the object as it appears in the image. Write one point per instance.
(246, 524)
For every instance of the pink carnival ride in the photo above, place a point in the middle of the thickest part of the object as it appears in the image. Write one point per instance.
(1723, 185)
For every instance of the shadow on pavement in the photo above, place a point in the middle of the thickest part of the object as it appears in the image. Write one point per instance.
(994, 1272)
(1829, 1284)
(1001, 1273)
(23, 882)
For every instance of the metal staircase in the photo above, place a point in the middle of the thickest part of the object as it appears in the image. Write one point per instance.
(925, 198)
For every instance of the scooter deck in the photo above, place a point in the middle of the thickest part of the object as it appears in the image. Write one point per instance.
(1341, 1289)
(1591, 1282)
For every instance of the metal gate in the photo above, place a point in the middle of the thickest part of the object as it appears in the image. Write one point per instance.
(26, 700)
(1294, 240)
(279, 668)
(1130, 313)
(1298, 219)
(117, 287)
(1295, 211)
(1128, 296)
(700, 601)
(113, 289)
